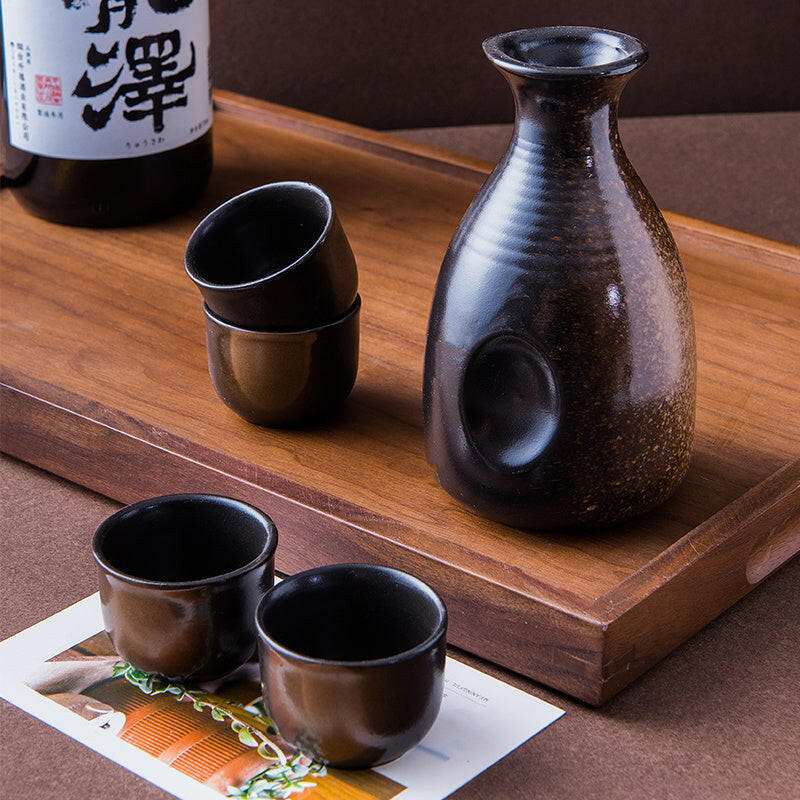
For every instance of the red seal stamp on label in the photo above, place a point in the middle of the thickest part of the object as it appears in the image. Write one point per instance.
(48, 90)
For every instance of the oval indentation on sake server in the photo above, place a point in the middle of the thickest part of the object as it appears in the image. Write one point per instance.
(510, 402)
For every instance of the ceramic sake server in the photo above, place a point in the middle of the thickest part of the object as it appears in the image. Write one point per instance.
(559, 386)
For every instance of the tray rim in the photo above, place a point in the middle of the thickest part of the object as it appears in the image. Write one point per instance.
(472, 170)
(599, 620)
(601, 672)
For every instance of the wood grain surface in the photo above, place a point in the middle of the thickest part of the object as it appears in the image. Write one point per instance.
(105, 383)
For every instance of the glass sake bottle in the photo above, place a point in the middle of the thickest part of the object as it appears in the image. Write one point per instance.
(106, 107)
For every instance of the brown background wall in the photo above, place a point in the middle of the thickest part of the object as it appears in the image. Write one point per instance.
(407, 63)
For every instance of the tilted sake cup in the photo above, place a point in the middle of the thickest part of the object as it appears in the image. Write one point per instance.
(283, 378)
(274, 257)
(180, 578)
(352, 662)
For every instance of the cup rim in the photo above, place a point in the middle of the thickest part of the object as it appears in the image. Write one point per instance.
(495, 48)
(402, 656)
(267, 552)
(265, 188)
(276, 333)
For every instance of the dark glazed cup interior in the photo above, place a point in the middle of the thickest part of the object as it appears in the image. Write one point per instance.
(283, 378)
(352, 662)
(274, 257)
(180, 577)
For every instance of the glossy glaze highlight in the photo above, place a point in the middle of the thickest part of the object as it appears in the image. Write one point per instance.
(284, 378)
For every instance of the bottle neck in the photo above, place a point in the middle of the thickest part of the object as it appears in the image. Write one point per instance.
(567, 119)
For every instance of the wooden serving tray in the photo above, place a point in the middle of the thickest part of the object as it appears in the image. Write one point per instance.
(105, 383)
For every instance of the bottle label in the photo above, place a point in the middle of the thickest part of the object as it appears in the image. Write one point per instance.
(104, 79)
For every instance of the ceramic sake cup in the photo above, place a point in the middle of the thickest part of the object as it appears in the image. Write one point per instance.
(274, 257)
(283, 378)
(180, 578)
(352, 662)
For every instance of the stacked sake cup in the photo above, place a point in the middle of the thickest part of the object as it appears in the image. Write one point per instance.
(280, 286)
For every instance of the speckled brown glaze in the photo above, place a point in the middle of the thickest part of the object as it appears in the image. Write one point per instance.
(560, 367)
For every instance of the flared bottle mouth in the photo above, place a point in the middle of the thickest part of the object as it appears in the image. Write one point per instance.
(565, 52)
